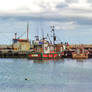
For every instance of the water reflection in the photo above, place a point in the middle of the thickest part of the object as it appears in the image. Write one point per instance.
(40, 61)
(48, 61)
(59, 60)
(80, 60)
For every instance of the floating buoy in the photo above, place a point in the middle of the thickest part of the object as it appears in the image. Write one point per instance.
(26, 79)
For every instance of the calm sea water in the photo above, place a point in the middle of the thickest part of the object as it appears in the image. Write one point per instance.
(65, 75)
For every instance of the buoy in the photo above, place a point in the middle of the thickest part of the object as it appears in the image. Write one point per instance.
(26, 79)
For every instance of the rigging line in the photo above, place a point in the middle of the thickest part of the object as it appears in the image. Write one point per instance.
(58, 38)
(49, 38)
(42, 31)
(21, 35)
(8, 32)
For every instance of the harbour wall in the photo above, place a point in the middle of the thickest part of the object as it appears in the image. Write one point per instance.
(6, 51)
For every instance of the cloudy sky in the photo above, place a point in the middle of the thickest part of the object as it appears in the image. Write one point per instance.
(72, 19)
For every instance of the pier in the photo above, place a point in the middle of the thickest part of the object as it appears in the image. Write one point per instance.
(6, 51)
(72, 48)
(13, 54)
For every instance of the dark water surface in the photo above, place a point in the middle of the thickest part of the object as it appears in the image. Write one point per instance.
(65, 75)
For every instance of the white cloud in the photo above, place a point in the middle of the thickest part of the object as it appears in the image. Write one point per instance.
(10, 6)
(29, 7)
(81, 4)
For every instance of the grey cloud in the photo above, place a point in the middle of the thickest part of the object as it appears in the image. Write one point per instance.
(89, 1)
(71, 1)
(32, 18)
(56, 18)
(62, 5)
(52, 16)
(82, 21)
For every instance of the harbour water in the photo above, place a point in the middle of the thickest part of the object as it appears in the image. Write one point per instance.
(64, 75)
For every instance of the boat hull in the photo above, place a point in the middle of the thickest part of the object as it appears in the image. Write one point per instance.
(79, 56)
(45, 55)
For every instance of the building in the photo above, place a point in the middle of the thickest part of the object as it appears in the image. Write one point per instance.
(21, 44)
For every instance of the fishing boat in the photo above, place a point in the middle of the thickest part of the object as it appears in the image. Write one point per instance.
(80, 53)
(43, 49)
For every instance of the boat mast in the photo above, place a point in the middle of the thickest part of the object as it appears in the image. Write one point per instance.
(27, 31)
(42, 34)
(54, 37)
(15, 35)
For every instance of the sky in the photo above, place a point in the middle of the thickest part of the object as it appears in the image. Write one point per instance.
(72, 19)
